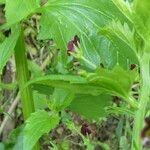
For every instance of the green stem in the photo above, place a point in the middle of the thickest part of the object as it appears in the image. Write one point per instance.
(93, 66)
(144, 98)
(22, 78)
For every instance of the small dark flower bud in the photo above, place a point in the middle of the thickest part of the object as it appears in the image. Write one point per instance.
(132, 66)
(145, 131)
(98, 148)
(85, 130)
(147, 120)
(71, 44)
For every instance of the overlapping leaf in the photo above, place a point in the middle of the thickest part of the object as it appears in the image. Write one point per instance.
(116, 82)
(122, 43)
(64, 19)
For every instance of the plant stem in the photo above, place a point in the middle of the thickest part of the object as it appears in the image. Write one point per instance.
(144, 98)
(22, 78)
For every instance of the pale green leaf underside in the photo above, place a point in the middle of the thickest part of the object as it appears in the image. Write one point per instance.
(37, 124)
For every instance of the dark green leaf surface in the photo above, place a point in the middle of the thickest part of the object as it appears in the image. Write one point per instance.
(91, 107)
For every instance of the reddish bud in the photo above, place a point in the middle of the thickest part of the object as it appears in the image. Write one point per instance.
(98, 148)
(71, 45)
(85, 130)
(147, 120)
(132, 66)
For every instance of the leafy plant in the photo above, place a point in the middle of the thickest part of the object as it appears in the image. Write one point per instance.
(113, 46)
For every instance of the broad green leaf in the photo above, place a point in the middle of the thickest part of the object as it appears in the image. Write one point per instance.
(68, 18)
(7, 47)
(92, 107)
(18, 10)
(75, 84)
(117, 81)
(37, 124)
(122, 43)
(61, 99)
(125, 7)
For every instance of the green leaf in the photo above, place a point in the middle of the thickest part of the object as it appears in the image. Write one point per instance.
(75, 84)
(61, 99)
(142, 9)
(17, 134)
(39, 123)
(18, 10)
(2, 1)
(124, 144)
(125, 7)
(117, 81)
(68, 18)
(141, 17)
(122, 43)
(7, 47)
(2, 37)
(40, 100)
(120, 111)
(92, 107)
(35, 69)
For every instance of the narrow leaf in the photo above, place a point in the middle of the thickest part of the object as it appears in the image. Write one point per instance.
(7, 47)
